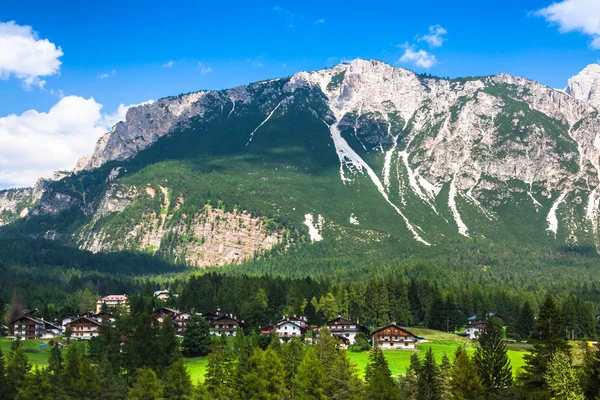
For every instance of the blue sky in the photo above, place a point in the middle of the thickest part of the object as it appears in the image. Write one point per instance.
(127, 52)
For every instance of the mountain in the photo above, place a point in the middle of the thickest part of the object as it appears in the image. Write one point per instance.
(365, 157)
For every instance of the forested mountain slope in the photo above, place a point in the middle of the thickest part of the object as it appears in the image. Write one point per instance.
(368, 158)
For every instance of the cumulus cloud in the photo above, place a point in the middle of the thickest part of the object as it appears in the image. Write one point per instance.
(25, 56)
(35, 144)
(204, 69)
(435, 38)
(107, 74)
(320, 21)
(575, 16)
(420, 58)
(169, 64)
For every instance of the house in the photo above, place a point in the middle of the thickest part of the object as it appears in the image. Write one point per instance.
(104, 316)
(346, 329)
(226, 325)
(84, 328)
(210, 316)
(392, 337)
(475, 325)
(65, 321)
(27, 327)
(162, 294)
(113, 301)
(266, 330)
(180, 320)
(162, 312)
(287, 329)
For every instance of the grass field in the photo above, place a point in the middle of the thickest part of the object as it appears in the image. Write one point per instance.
(398, 360)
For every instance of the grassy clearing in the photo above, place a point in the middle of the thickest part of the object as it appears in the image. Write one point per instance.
(398, 360)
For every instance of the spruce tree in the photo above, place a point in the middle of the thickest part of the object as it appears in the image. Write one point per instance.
(55, 365)
(547, 337)
(17, 367)
(525, 321)
(309, 381)
(292, 353)
(219, 378)
(36, 386)
(146, 386)
(591, 373)
(4, 386)
(196, 338)
(378, 377)
(178, 382)
(409, 383)
(265, 378)
(168, 346)
(113, 384)
(71, 371)
(446, 369)
(88, 384)
(562, 378)
(491, 360)
(465, 382)
(430, 384)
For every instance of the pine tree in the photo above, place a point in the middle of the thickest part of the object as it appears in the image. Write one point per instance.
(112, 383)
(196, 338)
(446, 369)
(562, 378)
(36, 386)
(430, 386)
(409, 384)
(309, 381)
(55, 365)
(71, 371)
(465, 382)
(178, 382)
(4, 386)
(265, 378)
(146, 386)
(525, 321)
(547, 338)
(219, 378)
(491, 360)
(591, 373)
(88, 384)
(17, 367)
(292, 353)
(168, 346)
(378, 377)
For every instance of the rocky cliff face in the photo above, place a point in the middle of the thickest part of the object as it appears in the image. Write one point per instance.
(475, 157)
(586, 85)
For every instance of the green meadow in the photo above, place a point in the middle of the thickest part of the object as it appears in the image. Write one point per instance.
(441, 343)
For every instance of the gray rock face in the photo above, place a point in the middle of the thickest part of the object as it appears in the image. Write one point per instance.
(586, 85)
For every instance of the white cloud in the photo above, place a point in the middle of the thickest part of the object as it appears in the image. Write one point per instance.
(256, 61)
(25, 56)
(436, 36)
(204, 69)
(35, 144)
(420, 58)
(575, 16)
(169, 64)
(108, 74)
(320, 21)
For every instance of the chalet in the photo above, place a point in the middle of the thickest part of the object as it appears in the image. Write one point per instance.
(226, 325)
(113, 301)
(267, 330)
(27, 327)
(162, 312)
(66, 320)
(394, 337)
(210, 316)
(84, 328)
(180, 320)
(346, 329)
(287, 329)
(475, 325)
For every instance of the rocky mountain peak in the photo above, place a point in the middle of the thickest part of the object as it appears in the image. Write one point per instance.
(586, 85)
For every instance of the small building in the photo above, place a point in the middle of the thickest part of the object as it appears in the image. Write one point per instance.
(287, 329)
(346, 329)
(66, 320)
(394, 337)
(266, 330)
(28, 328)
(180, 319)
(112, 301)
(84, 328)
(163, 312)
(475, 325)
(162, 294)
(226, 325)
(210, 316)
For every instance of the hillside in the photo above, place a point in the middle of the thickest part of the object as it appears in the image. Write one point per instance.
(370, 159)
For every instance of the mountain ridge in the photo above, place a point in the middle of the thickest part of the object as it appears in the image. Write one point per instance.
(494, 157)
